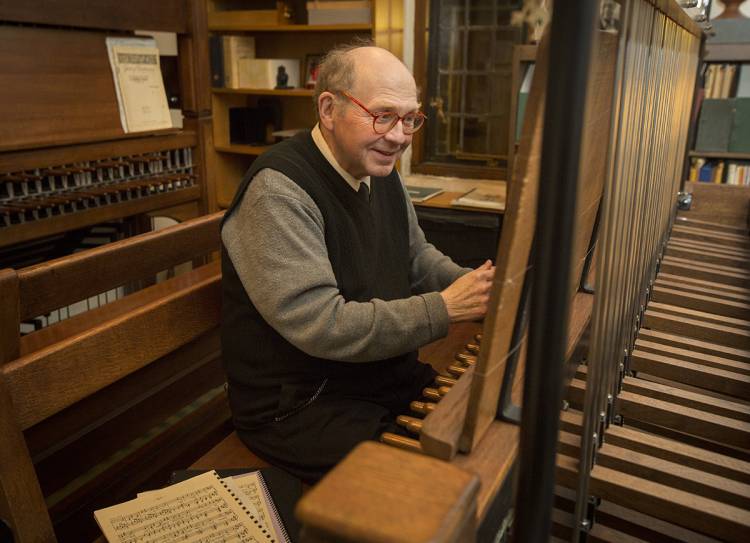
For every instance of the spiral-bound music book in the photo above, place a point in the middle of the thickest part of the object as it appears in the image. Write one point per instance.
(200, 509)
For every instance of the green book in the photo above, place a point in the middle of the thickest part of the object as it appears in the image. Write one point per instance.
(739, 140)
(420, 194)
(715, 125)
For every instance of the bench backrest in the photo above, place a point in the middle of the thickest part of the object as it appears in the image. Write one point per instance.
(52, 369)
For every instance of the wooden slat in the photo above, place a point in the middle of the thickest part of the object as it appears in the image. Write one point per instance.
(726, 382)
(701, 302)
(28, 516)
(683, 508)
(667, 449)
(706, 272)
(722, 289)
(713, 349)
(152, 323)
(659, 470)
(708, 289)
(701, 330)
(710, 247)
(708, 225)
(695, 357)
(712, 236)
(685, 419)
(705, 316)
(98, 270)
(442, 428)
(9, 316)
(710, 257)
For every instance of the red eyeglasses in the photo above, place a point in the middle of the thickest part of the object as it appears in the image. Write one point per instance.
(383, 122)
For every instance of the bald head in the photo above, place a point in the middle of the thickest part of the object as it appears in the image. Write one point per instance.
(356, 68)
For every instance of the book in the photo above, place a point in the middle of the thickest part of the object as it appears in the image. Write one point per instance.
(420, 194)
(743, 81)
(139, 86)
(739, 139)
(481, 198)
(202, 508)
(715, 125)
(234, 49)
(216, 55)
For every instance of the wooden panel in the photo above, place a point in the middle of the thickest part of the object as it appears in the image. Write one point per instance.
(57, 88)
(153, 323)
(165, 15)
(91, 272)
(395, 509)
(442, 428)
(512, 258)
(698, 284)
(714, 349)
(724, 204)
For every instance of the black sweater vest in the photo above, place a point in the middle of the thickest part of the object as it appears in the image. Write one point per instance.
(368, 248)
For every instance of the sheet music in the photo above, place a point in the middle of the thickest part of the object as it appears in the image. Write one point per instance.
(199, 510)
(139, 86)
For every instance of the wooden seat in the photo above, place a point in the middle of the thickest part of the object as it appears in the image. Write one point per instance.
(229, 453)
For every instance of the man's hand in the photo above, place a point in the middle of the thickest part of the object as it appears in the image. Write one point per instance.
(468, 296)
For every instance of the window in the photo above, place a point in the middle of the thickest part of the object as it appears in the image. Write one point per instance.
(467, 86)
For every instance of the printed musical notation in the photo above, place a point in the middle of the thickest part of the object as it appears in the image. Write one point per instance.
(200, 510)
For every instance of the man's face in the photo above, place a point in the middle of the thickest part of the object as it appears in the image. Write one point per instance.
(358, 148)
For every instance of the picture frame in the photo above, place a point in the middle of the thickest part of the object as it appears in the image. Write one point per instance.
(312, 61)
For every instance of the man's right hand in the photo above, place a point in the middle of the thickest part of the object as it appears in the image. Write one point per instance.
(468, 296)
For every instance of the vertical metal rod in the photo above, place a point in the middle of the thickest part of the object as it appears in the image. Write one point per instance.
(565, 101)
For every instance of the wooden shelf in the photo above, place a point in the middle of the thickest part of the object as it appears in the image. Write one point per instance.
(240, 26)
(306, 93)
(717, 154)
(253, 150)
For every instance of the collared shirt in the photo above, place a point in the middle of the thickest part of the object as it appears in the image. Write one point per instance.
(320, 141)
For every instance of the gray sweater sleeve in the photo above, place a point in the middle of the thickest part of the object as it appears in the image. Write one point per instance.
(431, 270)
(275, 239)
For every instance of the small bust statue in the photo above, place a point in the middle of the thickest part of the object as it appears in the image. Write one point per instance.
(282, 78)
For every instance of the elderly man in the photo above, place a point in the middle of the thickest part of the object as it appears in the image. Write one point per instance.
(329, 285)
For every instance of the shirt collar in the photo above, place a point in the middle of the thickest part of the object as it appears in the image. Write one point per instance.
(322, 145)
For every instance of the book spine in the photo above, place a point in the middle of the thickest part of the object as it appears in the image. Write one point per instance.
(216, 47)
(276, 520)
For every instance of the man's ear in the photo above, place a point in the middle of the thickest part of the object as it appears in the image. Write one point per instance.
(326, 109)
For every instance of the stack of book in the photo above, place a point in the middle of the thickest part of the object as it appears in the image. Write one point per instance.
(727, 80)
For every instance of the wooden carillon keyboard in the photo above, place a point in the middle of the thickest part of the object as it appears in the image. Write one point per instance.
(43, 193)
(444, 382)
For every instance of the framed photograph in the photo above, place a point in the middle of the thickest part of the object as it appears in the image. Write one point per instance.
(311, 69)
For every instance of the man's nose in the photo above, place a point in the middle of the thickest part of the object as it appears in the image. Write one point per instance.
(396, 134)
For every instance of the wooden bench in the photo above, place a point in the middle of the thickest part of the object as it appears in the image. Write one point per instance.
(108, 402)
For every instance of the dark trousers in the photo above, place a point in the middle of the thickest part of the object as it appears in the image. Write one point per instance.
(309, 443)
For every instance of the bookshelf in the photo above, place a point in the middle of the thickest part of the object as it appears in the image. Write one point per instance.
(720, 152)
(293, 107)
